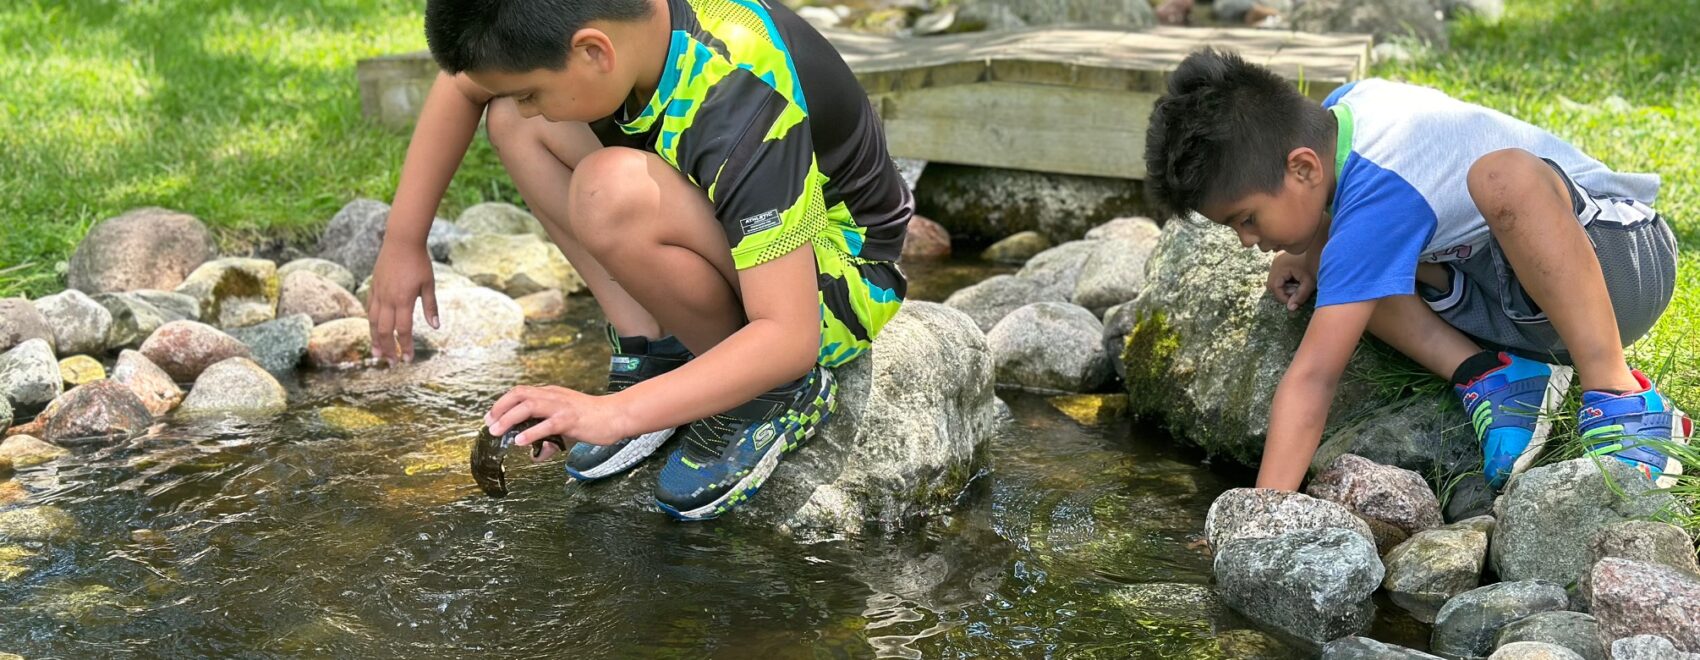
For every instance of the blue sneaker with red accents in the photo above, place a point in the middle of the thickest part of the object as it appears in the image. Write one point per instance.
(1511, 409)
(725, 459)
(1618, 425)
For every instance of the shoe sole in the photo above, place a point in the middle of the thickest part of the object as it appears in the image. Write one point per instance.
(625, 459)
(1558, 385)
(786, 443)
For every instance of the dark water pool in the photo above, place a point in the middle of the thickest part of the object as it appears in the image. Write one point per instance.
(300, 537)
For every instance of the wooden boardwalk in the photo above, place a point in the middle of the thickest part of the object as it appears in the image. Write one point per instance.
(1063, 100)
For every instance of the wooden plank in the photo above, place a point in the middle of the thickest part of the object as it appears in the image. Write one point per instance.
(1020, 126)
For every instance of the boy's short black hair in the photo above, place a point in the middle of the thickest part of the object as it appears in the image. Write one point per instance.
(514, 36)
(1224, 129)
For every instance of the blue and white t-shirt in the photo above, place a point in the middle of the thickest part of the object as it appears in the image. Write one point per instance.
(1401, 195)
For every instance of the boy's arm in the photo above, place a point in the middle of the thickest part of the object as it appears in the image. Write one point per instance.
(1300, 409)
(402, 274)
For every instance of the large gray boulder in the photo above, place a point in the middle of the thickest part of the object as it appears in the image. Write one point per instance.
(29, 375)
(1115, 273)
(1432, 567)
(1467, 626)
(1639, 598)
(1210, 345)
(1386, 19)
(1572, 630)
(234, 292)
(1312, 584)
(988, 203)
(1549, 514)
(238, 387)
(516, 264)
(147, 248)
(992, 299)
(80, 325)
(21, 322)
(1050, 346)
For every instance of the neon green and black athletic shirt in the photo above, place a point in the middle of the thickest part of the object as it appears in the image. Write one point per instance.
(759, 111)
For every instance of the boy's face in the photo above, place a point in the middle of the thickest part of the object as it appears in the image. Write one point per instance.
(587, 89)
(1288, 219)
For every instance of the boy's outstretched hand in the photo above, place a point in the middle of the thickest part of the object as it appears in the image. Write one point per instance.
(573, 415)
(401, 276)
(1292, 278)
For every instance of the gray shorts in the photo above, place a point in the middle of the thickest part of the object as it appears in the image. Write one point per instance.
(1637, 253)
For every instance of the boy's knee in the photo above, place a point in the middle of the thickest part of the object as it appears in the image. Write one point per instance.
(1505, 181)
(607, 188)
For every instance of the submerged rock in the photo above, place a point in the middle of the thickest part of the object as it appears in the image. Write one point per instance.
(349, 420)
(28, 451)
(1050, 346)
(1312, 584)
(148, 248)
(1575, 631)
(325, 268)
(515, 264)
(1639, 598)
(236, 386)
(1469, 623)
(278, 345)
(29, 375)
(306, 292)
(80, 325)
(185, 348)
(99, 411)
(37, 523)
(152, 386)
(1017, 248)
(1550, 513)
(21, 322)
(234, 292)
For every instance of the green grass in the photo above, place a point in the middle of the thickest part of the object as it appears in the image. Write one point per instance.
(244, 113)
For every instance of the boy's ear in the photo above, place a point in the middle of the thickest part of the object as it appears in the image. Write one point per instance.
(1304, 164)
(596, 48)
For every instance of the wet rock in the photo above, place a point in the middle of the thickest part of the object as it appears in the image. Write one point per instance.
(1489, 11)
(185, 348)
(500, 218)
(1017, 248)
(1170, 601)
(349, 420)
(278, 345)
(1386, 19)
(80, 324)
(1468, 624)
(515, 264)
(99, 411)
(234, 292)
(1050, 346)
(1118, 321)
(1313, 584)
(1432, 567)
(327, 269)
(20, 322)
(1533, 651)
(925, 240)
(11, 492)
(306, 292)
(1210, 345)
(29, 375)
(1575, 631)
(133, 319)
(544, 306)
(987, 204)
(1641, 540)
(28, 451)
(13, 564)
(37, 523)
(1245, 644)
(1364, 648)
(1058, 269)
(1639, 598)
(1243, 513)
(1091, 409)
(1113, 274)
(237, 386)
(1398, 497)
(472, 319)
(175, 306)
(79, 369)
(994, 298)
(340, 343)
(151, 385)
(1549, 514)
(147, 248)
(1648, 647)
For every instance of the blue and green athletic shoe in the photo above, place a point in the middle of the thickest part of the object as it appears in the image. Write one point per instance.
(1510, 408)
(725, 458)
(1617, 424)
(635, 360)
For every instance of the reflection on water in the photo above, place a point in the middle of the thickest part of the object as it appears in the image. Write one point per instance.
(297, 536)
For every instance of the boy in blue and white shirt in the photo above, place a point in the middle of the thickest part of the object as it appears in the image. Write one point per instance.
(1479, 245)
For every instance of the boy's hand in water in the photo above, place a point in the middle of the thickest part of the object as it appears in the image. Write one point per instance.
(401, 276)
(573, 415)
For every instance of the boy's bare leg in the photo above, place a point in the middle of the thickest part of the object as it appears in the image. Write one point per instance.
(1528, 208)
(1411, 327)
(540, 157)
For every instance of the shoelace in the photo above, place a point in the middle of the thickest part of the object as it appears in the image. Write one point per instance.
(707, 438)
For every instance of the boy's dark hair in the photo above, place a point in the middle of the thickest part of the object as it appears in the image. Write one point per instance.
(1224, 129)
(514, 35)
